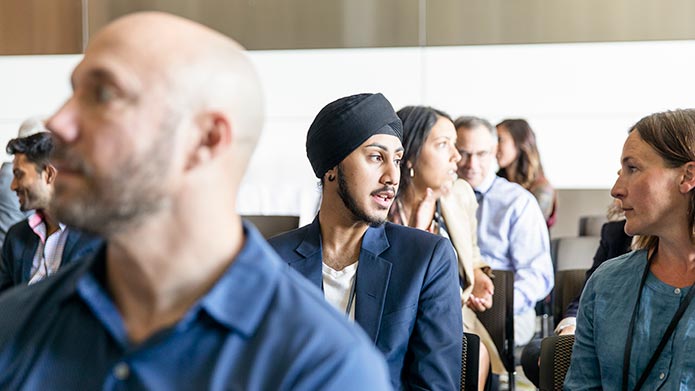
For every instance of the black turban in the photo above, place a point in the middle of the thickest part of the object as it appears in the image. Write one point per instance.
(343, 125)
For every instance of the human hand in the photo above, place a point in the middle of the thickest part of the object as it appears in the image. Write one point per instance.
(483, 289)
(567, 330)
(424, 211)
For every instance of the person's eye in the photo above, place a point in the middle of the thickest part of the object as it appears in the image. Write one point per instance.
(375, 157)
(631, 169)
(104, 94)
(398, 161)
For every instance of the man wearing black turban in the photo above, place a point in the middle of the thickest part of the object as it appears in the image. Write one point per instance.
(399, 284)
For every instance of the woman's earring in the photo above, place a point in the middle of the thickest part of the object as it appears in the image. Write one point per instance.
(412, 172)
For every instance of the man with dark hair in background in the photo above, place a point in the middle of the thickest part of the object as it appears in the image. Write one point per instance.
(37, 247)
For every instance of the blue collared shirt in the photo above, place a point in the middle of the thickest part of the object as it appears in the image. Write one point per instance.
(512, 235)
(605, 310)
(261, 327)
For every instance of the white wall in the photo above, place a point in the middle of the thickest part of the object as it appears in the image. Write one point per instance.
(579, 98)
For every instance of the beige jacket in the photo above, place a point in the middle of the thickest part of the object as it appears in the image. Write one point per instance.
(458, 210)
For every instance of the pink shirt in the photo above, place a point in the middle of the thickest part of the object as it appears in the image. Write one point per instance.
(49, 252)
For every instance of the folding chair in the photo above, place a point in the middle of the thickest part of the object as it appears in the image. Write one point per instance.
(470, 362)
(556, 352)
(499, 320)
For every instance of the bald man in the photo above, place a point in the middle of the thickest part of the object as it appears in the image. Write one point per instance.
(151, 148)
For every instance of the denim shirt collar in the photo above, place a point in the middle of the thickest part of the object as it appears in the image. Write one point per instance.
(238, 300)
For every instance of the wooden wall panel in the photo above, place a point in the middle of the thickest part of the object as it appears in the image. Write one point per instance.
(40, 27)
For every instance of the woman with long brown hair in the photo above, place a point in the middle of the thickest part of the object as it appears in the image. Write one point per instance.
(520, 162)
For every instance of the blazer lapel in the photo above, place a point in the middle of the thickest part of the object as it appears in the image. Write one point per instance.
(73, 238)
(373, 274)
(309, 248)
(27, 259)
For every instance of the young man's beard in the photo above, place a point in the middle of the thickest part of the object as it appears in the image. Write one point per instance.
(351, 204)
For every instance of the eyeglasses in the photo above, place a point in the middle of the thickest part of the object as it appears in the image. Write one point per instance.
(465, 155)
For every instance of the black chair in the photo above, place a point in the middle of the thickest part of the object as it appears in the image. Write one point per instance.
(270, 226)
(499, 320)
(470, 362)
(556, 352)
(568, 285)
(591, 225)
(572, 257)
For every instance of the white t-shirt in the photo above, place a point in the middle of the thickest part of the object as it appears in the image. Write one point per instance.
(337, 285)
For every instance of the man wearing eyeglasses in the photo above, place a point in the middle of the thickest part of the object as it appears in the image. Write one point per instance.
(512, 233)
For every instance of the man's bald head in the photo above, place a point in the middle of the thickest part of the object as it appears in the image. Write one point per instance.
(201, 68)
(161, 106)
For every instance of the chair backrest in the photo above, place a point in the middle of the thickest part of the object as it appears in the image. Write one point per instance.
(270, 226)
(574, 252)
(568, 285)
(556, 352)
(591, 225)
(470, 362)
(499, 320)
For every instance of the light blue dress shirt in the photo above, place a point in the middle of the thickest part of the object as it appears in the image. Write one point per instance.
(604, 315)
(260, 327)
(512, 235)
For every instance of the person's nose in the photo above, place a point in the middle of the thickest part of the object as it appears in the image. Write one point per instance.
(618, 190)
(392, 174)
(64, 124)
(455, 156)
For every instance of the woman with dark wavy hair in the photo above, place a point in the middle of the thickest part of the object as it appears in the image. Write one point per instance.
(520, 162)
(635, 327)
(431, 198)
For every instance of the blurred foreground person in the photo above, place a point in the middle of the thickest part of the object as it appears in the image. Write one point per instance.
(151, 148)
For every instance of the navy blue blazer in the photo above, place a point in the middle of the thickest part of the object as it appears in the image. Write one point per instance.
(407, 299)
(20, 246)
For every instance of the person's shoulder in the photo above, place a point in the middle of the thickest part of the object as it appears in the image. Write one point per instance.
(402, 234)
(631, 263)
(25, 304)
(541, 186)
(20, 228)
(286, 243)
(308, 320)
(512, 191)
(614, 228)
(289, 236)
(515, 199)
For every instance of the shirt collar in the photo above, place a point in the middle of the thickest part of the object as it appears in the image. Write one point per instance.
(238, 300)
(485, 186)
(36, 223)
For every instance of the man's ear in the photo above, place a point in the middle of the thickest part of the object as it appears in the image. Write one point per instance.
(215, 133)
(331, 174)
(688, 180)
(51, 173)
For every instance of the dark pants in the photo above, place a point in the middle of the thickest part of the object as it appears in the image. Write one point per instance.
(529, 361)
